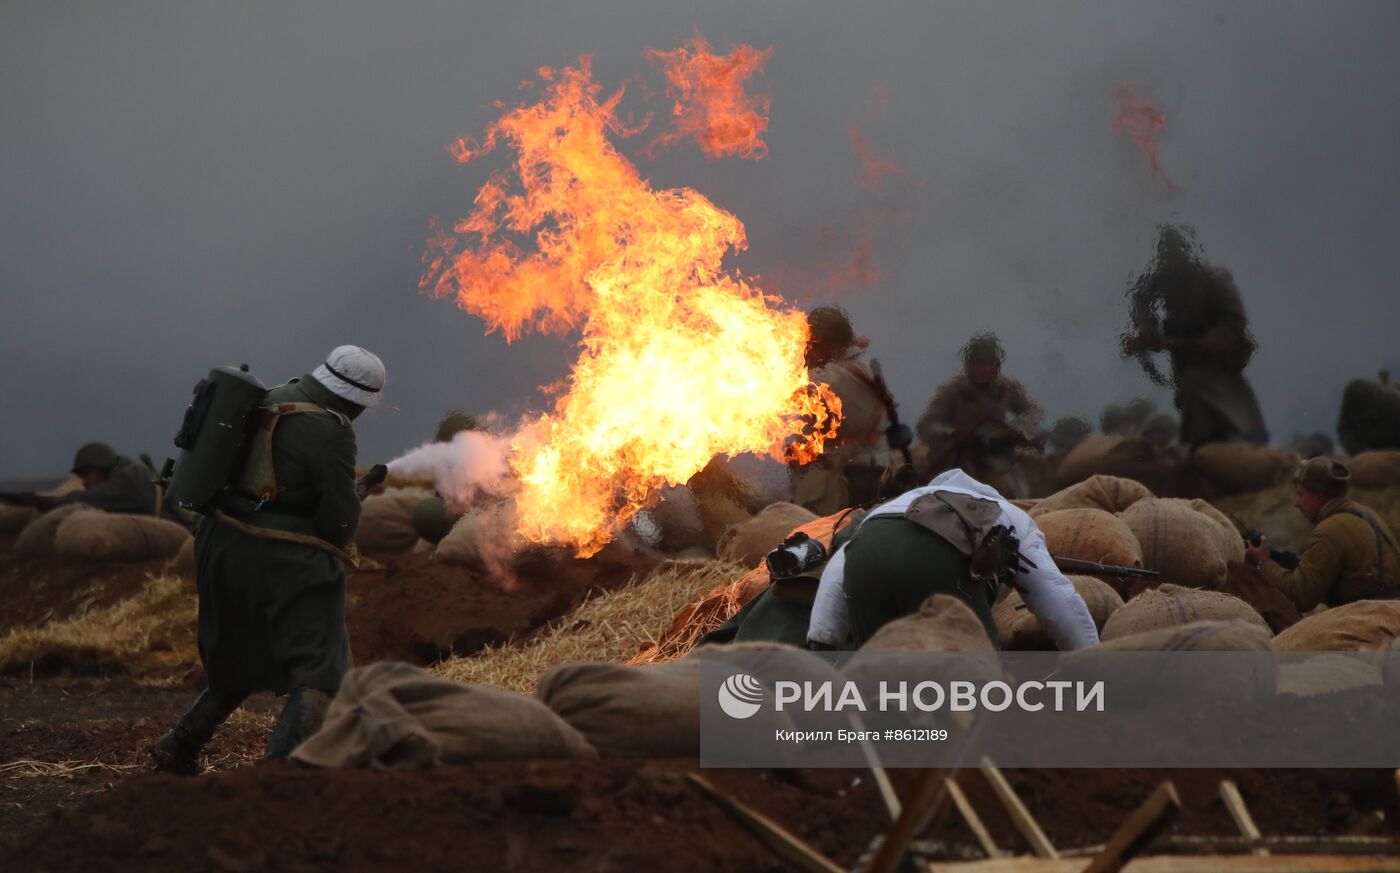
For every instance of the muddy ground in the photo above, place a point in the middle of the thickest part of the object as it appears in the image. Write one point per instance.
(75, 795)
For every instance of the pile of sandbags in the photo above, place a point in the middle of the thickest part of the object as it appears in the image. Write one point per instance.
(1363, 626)
(1238, 467)
(102, 536)
(1164, 667)
(1019, 630)
(942, 624)
(386, 521)
(1172, 606)
(1090, 535)
(1109, 493)
(37, 538)
(14, 518)
(1197, 636)
(749, 541)
(1187, 546)
(1375, 469)
(393, 716)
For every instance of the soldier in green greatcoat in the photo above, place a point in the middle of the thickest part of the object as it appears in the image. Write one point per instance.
(271, 611)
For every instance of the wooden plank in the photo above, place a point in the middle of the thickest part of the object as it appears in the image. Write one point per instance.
(1234, 802)
(1148, 820)
(1020, 816)
(1184, 864)
(972, 819)
(912, 816)
(778, 840)
(1351, 844)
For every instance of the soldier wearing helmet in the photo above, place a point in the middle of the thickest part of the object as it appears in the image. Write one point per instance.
(1351, 555)
(980, 420)
(272, 611)
(849, 471)
(111, 482)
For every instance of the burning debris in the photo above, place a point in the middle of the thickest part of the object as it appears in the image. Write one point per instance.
(1141, 121)
(711, 105)
(681, 359)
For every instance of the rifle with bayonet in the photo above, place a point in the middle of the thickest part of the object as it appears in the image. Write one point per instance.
(1094, 568)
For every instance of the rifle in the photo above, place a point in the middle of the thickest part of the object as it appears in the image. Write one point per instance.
(1286, 560)
(1093, 568)
(899, 435)
(41, 502)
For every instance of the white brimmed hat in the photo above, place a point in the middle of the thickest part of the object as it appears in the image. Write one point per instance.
(352, 373)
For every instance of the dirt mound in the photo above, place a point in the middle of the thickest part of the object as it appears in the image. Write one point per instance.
(36, 590)
(418, 610)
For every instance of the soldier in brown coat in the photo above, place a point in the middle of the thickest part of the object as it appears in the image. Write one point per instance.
(983, 422)
(1351, 554)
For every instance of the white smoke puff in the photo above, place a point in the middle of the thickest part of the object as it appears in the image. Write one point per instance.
(473, 463)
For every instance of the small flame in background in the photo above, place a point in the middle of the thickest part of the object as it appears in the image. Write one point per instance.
(873, 167)
(711, 105)
(681, 360)
(1142, 121)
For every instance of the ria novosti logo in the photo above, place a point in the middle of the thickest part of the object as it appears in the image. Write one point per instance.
(740, 696)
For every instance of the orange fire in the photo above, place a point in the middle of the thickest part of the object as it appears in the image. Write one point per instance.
(681, 360)
(1141, 120)
(711, 105)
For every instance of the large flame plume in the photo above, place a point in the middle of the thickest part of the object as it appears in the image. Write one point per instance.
(711, 105)
(1141, 121)
(681, 361)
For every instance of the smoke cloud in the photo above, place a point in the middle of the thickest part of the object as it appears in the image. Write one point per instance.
(473, 464)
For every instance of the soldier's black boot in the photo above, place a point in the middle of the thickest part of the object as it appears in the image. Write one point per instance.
(301, 717)
(178, 751)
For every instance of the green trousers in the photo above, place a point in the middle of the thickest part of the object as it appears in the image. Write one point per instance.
(893, 565)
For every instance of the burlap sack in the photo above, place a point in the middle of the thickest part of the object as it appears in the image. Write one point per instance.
(748, 541)
(386, 521)
(1173, 606)
(393, 716)
(942, 624)
(183, 563)
(1109, 493)
(1376, 469)
(1200, 636)
(14, 518)
(1228, 538)
(629, 712)
(101, 536)
(480, 539)
(1363, 626)
(1090, 535)
(1326, 674)
(1182, 544)
(37, 538)
(1018, 629)
(1110, 455)
(1237, 467)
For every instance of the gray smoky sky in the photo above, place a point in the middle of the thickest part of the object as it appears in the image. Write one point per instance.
(197, 183)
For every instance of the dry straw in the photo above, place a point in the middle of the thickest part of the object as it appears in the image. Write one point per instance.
(609, 627)
(149, 632)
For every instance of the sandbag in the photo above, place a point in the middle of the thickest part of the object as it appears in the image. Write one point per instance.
(749, 541)
(1090, 535)
(1228, 538)
(183, 563)
(478, 539)
(14, 518)
(1182, 544)
(629, 712)
(37, 538)
(1376, 469)
(942, 624)
(1018, 629)
(1174, 606)
(1363, 626)
(1249, 585)
(723, 498)
(1199, 636)
(386, 521)
(1237, 467)
(1112, 455)
(94, 536)
(1326, 674)
(1109, 493)
(394, 716)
